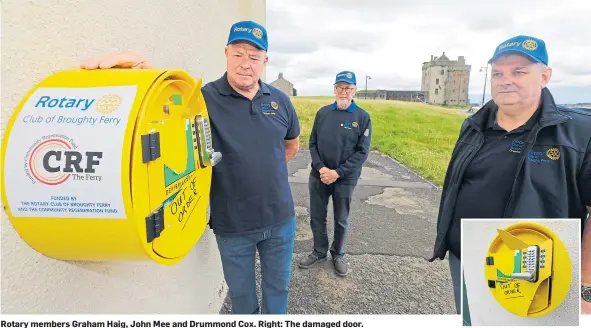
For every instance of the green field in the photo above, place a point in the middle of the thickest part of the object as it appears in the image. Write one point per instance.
(419, 136)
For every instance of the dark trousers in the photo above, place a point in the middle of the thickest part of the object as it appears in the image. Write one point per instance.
(455, 268)
(320, 193)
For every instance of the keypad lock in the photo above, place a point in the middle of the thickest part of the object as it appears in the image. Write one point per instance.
(203, 143)
(531, 264)
(528, 269)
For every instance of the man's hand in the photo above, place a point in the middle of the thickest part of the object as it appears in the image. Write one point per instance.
(125, 59)
(329, 176)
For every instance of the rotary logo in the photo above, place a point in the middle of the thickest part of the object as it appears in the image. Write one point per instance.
(553, 154)
(108, 103)
(530, 44)
(274, 105)
(257, 33)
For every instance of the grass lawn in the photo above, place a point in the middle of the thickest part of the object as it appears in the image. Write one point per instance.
(418, 135)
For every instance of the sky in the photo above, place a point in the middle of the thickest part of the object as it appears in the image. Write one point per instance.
(310, 41)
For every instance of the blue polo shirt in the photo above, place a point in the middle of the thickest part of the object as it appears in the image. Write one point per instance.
(250, 190)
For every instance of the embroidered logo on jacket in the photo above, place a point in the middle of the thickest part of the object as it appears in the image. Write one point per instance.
(548, 156)
(349, 125)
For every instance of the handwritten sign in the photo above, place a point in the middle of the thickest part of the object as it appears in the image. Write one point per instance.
(510, 289)
(185, 201)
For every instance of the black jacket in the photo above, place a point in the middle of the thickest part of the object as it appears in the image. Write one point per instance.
(546, 184)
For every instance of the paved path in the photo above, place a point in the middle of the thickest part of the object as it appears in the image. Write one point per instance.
(392, 230)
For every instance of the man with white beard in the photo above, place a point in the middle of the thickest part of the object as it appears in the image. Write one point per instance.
(339, 145)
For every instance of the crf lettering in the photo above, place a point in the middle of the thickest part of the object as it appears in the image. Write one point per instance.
(72, 161)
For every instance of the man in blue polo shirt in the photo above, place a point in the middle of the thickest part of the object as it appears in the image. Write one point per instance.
(519, 156)
(339, 145)
(255, 127)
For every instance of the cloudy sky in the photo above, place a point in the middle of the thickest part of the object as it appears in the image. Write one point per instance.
(311, 40)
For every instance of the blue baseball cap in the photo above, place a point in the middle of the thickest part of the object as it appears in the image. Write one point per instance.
(249, 31)
(347, 77)
(533, 48)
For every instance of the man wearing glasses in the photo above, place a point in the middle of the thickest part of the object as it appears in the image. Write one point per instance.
(339, 145)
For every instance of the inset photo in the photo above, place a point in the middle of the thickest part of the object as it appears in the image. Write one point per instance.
(521, 272)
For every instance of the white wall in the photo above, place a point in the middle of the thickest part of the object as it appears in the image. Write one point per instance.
(435, 73)
(44, 36)
(484, 309)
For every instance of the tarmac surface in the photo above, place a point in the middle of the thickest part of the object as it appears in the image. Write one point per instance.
(391, 234)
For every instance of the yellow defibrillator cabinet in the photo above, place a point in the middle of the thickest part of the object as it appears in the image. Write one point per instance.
(110, 164)
(528, 269)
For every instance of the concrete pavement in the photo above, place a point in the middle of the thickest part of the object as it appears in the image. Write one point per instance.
(391, 234)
